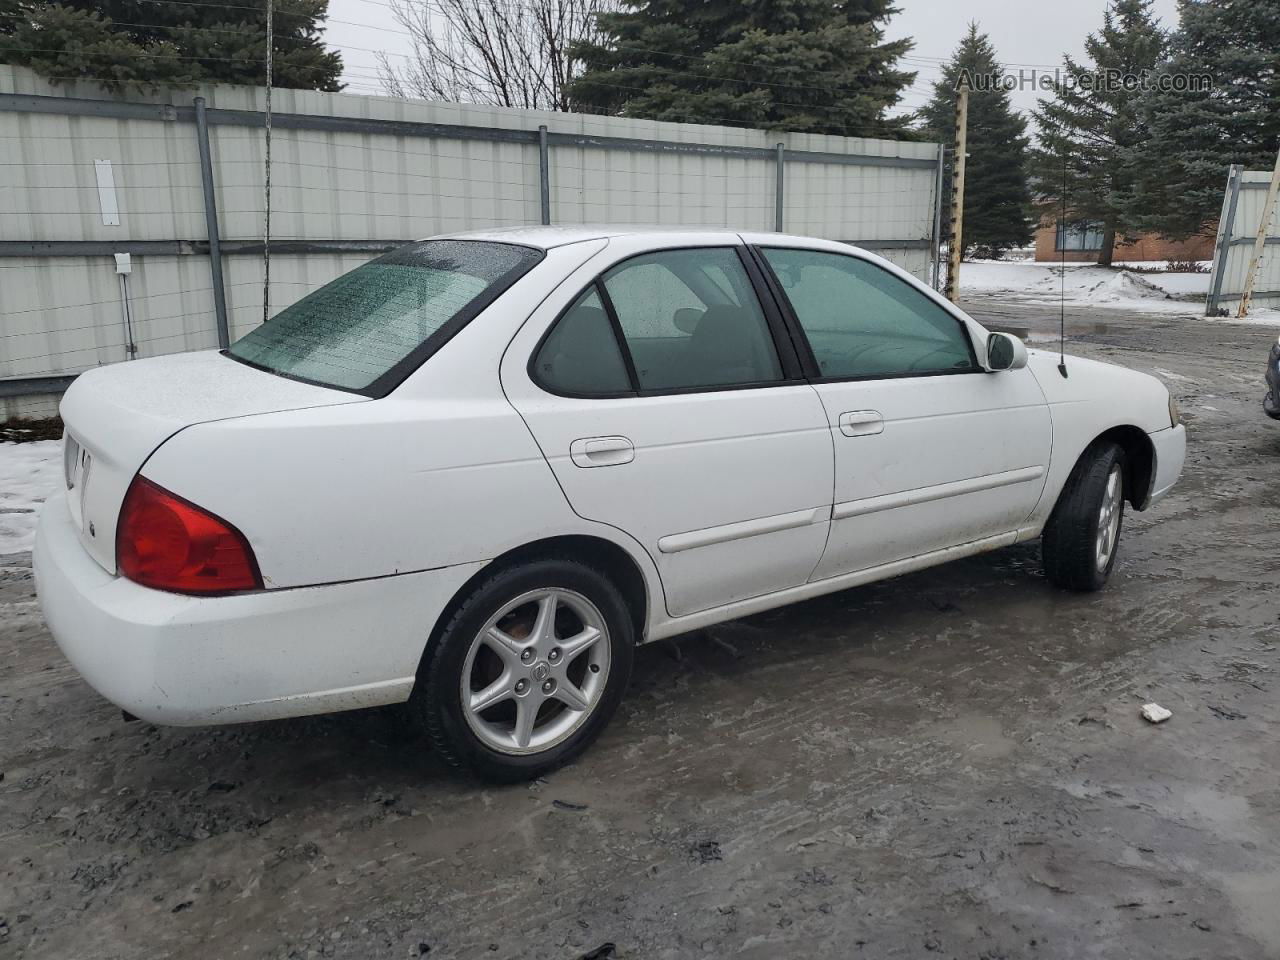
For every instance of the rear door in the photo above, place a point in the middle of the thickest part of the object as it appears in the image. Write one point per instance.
(931, 450)
(669, 403)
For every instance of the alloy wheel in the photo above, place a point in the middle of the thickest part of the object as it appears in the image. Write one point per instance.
(1109, 518)
(536, 671)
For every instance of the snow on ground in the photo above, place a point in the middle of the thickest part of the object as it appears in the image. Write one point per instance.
(1087, 285)
(29, 475)
(1170, 375)
(1258, 316)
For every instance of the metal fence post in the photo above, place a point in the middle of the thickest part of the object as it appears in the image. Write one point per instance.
(937, 217)
(544, 174)
(1226, 233)
(211, 225)
(777, 193)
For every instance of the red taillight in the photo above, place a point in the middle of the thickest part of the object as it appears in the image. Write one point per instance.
(163, 541)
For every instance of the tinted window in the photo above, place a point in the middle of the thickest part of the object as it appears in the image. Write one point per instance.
(691, 319)
(862, 321)
(581, 354)
(354, 330)
(1085, 235)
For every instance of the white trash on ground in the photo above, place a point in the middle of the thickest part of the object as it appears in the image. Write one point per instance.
(1155, 713)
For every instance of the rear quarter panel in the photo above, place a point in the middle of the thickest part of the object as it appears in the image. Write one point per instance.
(120, 413)
(377, 489)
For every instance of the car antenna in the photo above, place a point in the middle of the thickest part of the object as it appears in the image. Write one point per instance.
(1062, 286)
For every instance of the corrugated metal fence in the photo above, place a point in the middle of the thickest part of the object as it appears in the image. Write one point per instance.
(84, 177)
(1237, 233)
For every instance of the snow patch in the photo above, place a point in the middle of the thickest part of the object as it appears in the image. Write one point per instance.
(1124, 287)
(1087, 285)
(1258, 317)
(29, 474)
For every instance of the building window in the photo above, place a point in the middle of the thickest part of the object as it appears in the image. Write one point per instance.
(1082, 235)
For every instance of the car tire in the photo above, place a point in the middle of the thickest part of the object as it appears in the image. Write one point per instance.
(1082, 537)
(521, 666)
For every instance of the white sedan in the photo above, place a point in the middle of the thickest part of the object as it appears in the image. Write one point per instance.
(474, 473)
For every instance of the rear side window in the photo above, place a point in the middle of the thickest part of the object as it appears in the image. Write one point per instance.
(581, 356)
(371, 327)
(691, 320)
(862, 321)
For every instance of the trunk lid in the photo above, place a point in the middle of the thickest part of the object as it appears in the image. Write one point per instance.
(117, 416)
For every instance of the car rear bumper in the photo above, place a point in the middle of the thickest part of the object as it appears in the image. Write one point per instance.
(1171, 452)
(183, 660)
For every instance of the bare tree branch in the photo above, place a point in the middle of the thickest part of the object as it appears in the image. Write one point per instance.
(508, 53)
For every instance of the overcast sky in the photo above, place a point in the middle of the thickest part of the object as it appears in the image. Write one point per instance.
(1034, 33)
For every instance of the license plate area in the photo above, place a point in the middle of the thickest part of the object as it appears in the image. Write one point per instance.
(76, 463)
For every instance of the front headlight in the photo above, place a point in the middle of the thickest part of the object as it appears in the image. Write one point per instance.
(1175, 415)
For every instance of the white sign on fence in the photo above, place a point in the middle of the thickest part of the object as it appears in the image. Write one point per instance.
(107, 193)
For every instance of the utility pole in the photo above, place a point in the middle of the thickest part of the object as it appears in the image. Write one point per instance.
(957, 193)
(266, 197)
(1260, 244)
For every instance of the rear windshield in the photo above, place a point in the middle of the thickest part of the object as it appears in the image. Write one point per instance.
(371, 327)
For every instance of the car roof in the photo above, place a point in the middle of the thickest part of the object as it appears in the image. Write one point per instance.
(546, 237)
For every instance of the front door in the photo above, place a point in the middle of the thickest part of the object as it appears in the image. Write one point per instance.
(931, 450)
(665, 400)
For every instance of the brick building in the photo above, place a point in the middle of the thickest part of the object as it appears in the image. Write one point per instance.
(1083, 240)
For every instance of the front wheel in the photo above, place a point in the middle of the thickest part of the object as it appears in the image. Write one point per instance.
(527, 671)
(1081, 537)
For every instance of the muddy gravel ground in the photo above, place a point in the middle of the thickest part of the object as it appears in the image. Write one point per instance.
(949, 764)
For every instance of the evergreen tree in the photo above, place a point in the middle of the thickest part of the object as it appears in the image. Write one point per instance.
(140, 44)
(1194, 135)
(997, 199)
(807, 65)
(1093, 124)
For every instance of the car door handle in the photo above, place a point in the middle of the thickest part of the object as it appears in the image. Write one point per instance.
(602, 451)
(861, 423)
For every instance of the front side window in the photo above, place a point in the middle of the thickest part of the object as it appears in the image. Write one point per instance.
(357, 330)
(691, 320)
(862, 321)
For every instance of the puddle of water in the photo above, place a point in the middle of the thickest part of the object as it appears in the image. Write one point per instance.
(1256, 897)
(979, 736)
(1224, 809)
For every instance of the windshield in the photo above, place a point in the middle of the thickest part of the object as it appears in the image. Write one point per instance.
(371, 327)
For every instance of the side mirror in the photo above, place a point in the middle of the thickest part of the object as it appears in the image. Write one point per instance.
(1005, 352)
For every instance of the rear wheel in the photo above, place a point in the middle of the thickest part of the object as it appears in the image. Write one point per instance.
(527, 671)
(1081, 538)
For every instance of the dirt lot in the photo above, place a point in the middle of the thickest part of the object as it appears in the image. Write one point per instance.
(950, 764)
